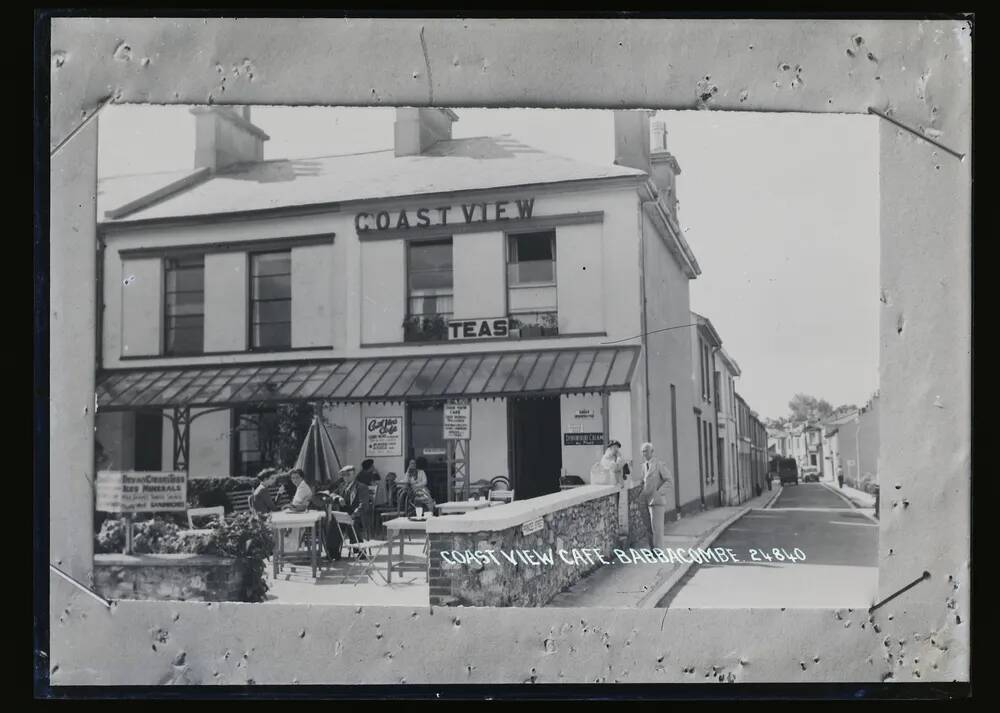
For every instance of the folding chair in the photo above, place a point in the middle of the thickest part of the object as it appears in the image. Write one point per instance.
(369, 548)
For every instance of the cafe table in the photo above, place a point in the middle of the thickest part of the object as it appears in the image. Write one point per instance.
(459, 506)
(397, 528)
(281, 521)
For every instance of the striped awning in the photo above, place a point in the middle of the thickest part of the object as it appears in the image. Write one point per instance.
(388, 379)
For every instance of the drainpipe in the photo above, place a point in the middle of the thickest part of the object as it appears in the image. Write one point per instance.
(643, 319)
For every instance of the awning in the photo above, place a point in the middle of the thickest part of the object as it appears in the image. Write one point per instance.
(387, 379)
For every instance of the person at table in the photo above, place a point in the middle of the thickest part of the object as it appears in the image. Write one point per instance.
(369, 475)
(304, 492)
(415, 484)
(354, 498)
(262, 500)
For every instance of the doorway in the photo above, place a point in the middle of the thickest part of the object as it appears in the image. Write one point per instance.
(535, 429)
(425, 426)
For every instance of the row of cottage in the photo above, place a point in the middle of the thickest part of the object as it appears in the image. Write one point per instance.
(844, 446)
(550, 296)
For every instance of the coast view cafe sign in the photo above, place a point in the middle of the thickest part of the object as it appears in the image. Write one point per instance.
(435, 217)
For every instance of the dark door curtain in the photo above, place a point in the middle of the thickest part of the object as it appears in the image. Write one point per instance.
(537, 446)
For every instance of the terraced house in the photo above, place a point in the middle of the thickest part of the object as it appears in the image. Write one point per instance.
(378, 286)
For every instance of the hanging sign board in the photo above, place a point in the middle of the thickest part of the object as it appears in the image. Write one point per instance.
(131, 491)
(383, 436)
(583, 439)
(457, 421)
(532, 526)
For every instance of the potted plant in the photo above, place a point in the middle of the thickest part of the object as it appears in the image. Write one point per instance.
(550, 323)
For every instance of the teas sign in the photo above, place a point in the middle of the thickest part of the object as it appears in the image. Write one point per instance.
(478, 328)
(131, 491)
(383, 436)
(457, 421)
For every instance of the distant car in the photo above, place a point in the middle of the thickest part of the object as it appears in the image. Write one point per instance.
(810, 478)
(788, 471)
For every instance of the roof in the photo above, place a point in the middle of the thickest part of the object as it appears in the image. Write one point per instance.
(707, 324)
(448, 166)
(385, 379)
(729, 361)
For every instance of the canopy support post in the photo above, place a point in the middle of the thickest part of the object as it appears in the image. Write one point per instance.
(182, 438)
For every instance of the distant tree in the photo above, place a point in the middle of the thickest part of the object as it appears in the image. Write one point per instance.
(805, 409)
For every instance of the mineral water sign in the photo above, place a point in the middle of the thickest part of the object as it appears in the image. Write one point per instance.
(383, 436)
(131, 491)
(457, 421)
(532, 526)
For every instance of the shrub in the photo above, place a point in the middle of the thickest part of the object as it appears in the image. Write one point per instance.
(250, 539)
(111, 537)
(243, 537)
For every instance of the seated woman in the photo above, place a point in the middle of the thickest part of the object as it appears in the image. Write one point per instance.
(369, 475)
(304, 492)
(414, 489)
(262, 500)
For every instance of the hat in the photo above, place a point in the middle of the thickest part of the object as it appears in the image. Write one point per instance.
(346, 468)
(614, 443)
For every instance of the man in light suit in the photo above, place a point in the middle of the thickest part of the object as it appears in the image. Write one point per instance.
(657, 481)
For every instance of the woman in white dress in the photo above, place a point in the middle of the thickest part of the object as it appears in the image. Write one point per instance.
(609, 470)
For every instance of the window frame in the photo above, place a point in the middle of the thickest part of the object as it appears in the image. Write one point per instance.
(165, 268)
(236, 415)
(251, 257)
(553, 285)
(408, 294)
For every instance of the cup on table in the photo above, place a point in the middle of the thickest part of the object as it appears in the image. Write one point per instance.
(420, 512)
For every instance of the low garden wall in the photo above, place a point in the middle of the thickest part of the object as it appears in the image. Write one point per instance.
(175, 577)
(522, 553)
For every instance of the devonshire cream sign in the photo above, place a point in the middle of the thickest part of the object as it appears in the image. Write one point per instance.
(437, 216)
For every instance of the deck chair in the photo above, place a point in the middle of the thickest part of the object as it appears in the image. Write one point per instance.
(369, 548)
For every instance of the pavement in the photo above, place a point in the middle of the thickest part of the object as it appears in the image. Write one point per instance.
(342, 583)
(643, 585)
(813, 548)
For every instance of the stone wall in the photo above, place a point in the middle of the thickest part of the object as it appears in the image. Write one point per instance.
(591, 524)
(181, 577)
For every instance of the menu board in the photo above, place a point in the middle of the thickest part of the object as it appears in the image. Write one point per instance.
(457, 421)
(132, 491)
(383, 436)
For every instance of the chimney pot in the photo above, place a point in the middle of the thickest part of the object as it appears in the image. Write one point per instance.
(224, 136)
(418, 128)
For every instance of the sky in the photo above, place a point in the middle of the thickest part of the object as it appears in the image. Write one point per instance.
(781, 211)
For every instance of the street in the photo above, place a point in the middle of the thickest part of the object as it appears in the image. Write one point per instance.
(810, 549)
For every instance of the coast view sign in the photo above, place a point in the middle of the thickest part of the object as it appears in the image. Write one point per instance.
(435, 216)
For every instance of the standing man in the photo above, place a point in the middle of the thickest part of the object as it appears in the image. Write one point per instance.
(656, 479)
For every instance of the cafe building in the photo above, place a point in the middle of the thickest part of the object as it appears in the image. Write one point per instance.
(537, 297)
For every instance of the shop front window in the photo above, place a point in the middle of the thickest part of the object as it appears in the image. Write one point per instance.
(430, 291)
(531, 284)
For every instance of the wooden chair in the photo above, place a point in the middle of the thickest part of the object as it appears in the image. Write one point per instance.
(218, 511)
(369, 548)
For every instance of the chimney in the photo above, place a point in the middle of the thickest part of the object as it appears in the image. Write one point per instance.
(664, 169)
(224, 137)
(417, 129)
(632, 138)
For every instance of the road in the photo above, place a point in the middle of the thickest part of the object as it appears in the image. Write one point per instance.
(839, 570)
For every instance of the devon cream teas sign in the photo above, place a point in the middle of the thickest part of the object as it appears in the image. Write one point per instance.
(131, 491)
